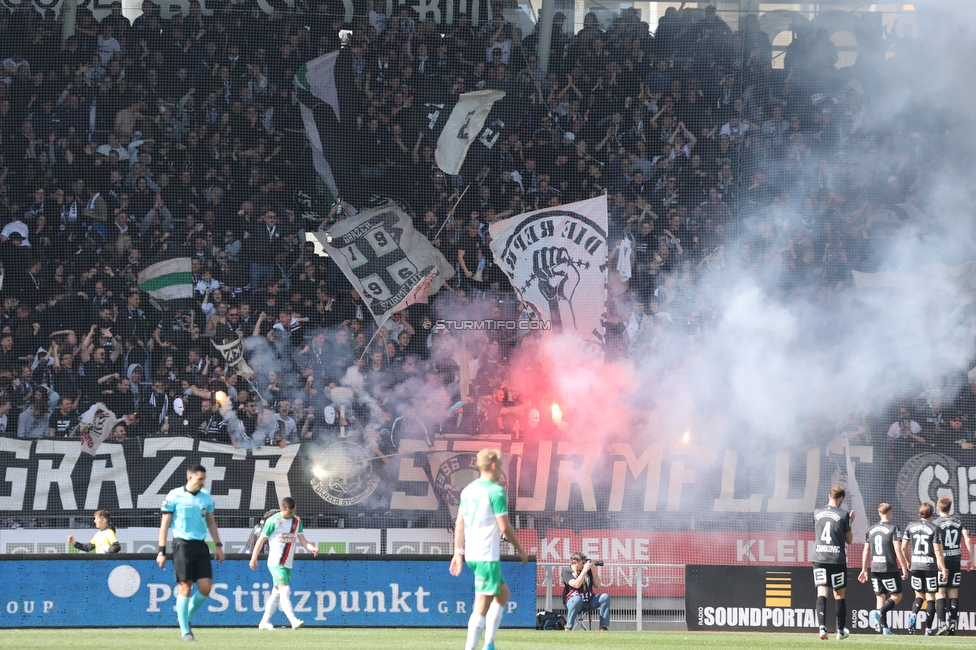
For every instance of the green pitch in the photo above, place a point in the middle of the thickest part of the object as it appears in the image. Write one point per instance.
(428, 639)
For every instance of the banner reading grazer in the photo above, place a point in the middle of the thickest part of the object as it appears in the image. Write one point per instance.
(557, 260)
(385, 258)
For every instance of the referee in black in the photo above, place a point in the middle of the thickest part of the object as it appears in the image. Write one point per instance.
(190, 512)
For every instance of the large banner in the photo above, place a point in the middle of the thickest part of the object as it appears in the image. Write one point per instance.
(336, 592)
(554, 484)
(783, 599)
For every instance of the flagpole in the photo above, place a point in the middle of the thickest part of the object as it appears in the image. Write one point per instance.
(256, 391)
(370, 342)
(451, 212)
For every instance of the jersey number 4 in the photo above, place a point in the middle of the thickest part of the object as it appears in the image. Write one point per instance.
(825, 536)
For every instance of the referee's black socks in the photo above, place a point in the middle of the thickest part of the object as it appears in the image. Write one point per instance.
(840, 604)
(822, 611)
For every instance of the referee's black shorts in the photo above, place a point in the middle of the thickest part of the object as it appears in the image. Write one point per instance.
(192, 560)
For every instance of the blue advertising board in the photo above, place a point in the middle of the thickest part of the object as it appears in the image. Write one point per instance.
(337, 591)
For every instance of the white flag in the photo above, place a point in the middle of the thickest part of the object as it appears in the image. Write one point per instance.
(233, 354)
(95, 425)
(387, 261)
(557, 260)
(463, 127)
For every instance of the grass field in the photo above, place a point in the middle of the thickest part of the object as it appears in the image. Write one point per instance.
(431, 639)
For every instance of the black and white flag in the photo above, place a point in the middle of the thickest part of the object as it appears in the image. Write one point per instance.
(463, 128)
(94, 426)
(233, 354)
(387, 261)
(315, 86)
(557, 261)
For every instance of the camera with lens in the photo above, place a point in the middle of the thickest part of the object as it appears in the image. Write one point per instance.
(598, 563)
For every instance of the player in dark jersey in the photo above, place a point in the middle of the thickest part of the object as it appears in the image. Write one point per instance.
(884, 557)
(832, 527)
(953, 533)
(925, 540)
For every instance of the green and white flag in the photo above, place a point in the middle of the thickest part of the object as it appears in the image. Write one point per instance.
(168, 280)
(315, 87)
(318, 77)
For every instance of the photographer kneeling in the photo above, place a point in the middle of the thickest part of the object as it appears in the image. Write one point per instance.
(579, 581)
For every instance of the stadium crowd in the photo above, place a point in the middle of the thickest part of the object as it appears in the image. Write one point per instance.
(140, 137)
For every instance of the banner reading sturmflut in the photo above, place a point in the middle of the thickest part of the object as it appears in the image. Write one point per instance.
(557, 260)
(463, 127)
(385, 259)
(168, 280)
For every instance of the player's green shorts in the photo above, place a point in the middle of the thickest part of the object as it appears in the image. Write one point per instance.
(487, 577)
(281, 575)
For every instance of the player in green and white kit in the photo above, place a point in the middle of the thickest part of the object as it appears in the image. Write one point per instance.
(482, 520)
(281, 530)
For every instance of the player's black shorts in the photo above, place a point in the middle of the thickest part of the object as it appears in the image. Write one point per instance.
(886, 583)
(955, 577)
(925, 582)
(830, 575)
(192, 560)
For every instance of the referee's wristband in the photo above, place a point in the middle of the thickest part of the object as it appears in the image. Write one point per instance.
(162, 550)
(459, 551)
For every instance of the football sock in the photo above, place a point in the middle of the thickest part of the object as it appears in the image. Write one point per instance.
(932, 616)
(953, 609)
(476, 624)
(183, 613)
(492, 621)
(841, 606)
(270, 606)
(284, 601)
(940, 606)
(196, 602)
(822, 611)
(916, 606)
(889, 605)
